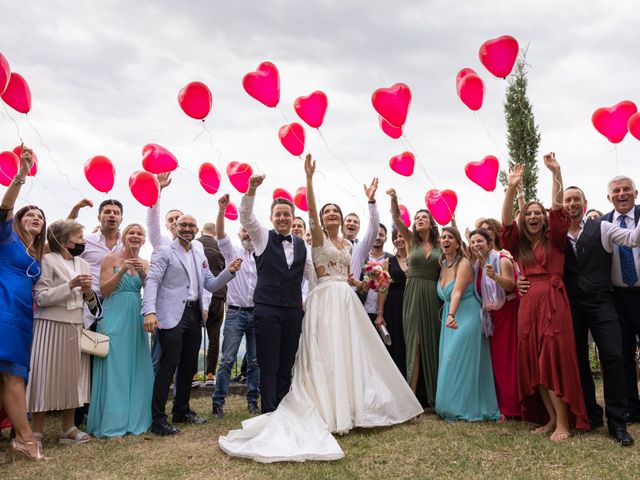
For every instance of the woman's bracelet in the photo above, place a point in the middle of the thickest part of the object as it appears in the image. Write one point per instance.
(451, 315)
(19, 181)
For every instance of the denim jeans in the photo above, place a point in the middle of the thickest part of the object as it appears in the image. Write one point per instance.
(236, 324)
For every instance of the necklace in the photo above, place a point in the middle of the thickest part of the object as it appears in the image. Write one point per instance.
(445, 264)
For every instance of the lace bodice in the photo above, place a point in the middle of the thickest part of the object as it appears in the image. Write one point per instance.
(330, 262)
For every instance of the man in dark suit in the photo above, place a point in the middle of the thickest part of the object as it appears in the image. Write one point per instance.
(214, 314)
(622, 193)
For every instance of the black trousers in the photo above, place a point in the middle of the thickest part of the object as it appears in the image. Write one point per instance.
(597, 312)
(277, 335)
(179, 348)
(627, 302)
(214, 322)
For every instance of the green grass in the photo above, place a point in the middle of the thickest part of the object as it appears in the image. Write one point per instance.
(426, 447)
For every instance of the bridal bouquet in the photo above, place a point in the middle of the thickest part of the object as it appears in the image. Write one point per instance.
(376, 277)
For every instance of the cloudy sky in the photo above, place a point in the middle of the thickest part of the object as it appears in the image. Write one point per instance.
(105, 75)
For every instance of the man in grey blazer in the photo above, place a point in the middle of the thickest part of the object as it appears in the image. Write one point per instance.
(177, 279)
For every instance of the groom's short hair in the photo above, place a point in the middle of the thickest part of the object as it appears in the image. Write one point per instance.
(283, 201)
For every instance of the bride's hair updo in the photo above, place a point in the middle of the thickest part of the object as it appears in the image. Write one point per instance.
(324, 207)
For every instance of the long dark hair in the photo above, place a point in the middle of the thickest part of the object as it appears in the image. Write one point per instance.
(322, 212)
(525, 242)
(433, 236)
(34, 246)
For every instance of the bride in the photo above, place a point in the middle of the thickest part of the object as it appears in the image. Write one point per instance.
(343, 376)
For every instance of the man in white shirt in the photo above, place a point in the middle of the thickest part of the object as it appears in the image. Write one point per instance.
(239, 320)
(351, 227)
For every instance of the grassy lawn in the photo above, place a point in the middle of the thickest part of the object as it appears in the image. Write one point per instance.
(423, 448)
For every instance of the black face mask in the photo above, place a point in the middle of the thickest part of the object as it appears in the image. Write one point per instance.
(76, 250)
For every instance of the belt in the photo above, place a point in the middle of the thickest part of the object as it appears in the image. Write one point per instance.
(626, 289)
(192, 304)
(240, 309)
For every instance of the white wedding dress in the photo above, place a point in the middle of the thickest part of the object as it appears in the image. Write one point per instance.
(343, 378)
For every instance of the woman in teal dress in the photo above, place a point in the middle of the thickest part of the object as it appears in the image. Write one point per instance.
(123, 380)
(421, 305)
(466, 390)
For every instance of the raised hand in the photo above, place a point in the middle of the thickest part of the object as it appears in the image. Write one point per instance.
(223, 201)
(515, 175)
(550, 162)
(164, 179)
(370, 191)
(392, 193)
(309, 166)
(26, 159)
(255, 181)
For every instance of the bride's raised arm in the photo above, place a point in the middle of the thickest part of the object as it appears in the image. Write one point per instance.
(317, 236)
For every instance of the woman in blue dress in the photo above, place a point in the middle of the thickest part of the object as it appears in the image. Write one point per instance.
(21, 244)
(123, 380)
(466, 389)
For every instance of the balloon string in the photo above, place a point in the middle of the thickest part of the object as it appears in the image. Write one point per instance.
(217, 150)
(346, 165)
(283, 115)
(348, 192)
(67, 178)
(615, 149)
(412, 148)
(497, 199)
(14, 122)
(486, 129)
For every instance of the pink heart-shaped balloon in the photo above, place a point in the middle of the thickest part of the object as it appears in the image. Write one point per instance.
(393, 132)
(311, 109)
(392, 103)
(404, 215)
(195, 99)
(231, 212)
(209, 177)
(484, 172)
(17, 94)
(144, 187)
(34, 168)
(5, 73)
(470, 88)
(239, 175)
(498, 55)
(100, 173)
(612, 121)
(292, 138)
(442, 204)
(634, 125)
(263, 84)
(157, 159)
(282, 193)
(403, 163)
(9, 166)
(300, 199)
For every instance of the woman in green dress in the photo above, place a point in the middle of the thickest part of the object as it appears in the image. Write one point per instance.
(420, 310)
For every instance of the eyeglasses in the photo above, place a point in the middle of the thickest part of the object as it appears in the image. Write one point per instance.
(192, 226)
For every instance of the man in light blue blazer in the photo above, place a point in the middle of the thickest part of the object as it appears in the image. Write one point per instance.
(178, 276)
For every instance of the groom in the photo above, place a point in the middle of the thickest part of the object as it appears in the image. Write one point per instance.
(281, 263)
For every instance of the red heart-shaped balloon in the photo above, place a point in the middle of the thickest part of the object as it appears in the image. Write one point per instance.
(5, 73)
(9, 166)
(404, 215)
(282, 193)
(312, 108)
(195, 99)
(403, 163)
(484, 172)
(634, 125)
(231, 212)
(392, 103)
(263, 84)
(612, 121)
(17, 94)
(144, 187)
(300, 199)
(470, 88)
(34, 168)
(239, 175)
(393, 132)
(292, 138)
(442, 204)
(157, 159)
(209, 177)
(100, 173)
(498, 55)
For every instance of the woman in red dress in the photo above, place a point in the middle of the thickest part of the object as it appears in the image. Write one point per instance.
(548, 377)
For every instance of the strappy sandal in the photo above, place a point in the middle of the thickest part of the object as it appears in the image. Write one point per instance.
(74, 436)
(29, 450)
(560, 436)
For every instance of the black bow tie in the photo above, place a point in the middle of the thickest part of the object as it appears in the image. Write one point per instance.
(285, 238)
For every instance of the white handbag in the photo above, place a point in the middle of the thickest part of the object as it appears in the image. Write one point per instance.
(94, 343)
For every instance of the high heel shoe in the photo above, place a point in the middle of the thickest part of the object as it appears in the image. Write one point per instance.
(31, 450)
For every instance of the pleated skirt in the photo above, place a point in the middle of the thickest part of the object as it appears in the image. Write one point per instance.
(59, 376)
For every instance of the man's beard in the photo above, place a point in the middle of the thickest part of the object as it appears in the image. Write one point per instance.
(247, 244)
